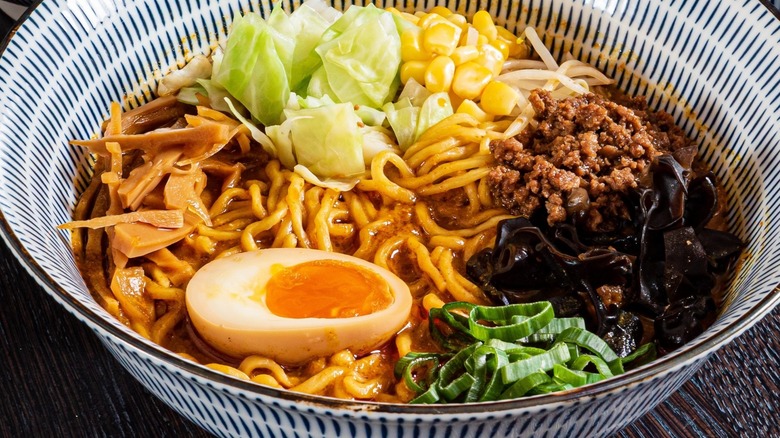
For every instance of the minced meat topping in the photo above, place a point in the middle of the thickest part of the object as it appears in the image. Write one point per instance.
(584, 155)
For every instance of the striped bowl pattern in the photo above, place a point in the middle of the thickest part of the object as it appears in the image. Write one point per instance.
(715, 66)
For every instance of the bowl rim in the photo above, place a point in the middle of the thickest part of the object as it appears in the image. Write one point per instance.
(648, 372)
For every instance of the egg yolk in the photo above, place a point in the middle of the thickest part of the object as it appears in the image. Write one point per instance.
(326, 289)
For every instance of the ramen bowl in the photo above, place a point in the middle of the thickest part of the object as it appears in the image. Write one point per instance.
(68, 60)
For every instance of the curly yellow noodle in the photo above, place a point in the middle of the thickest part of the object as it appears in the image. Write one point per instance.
(454, 182)
(205, 230)
(230, 216)
(425, 263)
(228, 370)
(295, 195)
(277, 180)
(383, 184)
(472, 193)
(454, 154)
(452, 242)
(387, 248)
(223, 201)
(355, 206)
(403, 342)
(164, 325)
(248, 235)
(367, 236)
(415, 160)
(340, 230)
(454, 287)
(432, 301)
(253, 364)
(320, 381)
(431, 227)
(267, 380)
(321, 223)
(255, 193)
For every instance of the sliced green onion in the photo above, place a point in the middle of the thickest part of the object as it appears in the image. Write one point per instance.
(572, 377)
(411, 365)
(583, 360)
(587, 340)
(537, 316)
(545, 362)
(490, 357)
(527, 383)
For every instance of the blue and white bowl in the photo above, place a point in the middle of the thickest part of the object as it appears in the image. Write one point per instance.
(715, 66)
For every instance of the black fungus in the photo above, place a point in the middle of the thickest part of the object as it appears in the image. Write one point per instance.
(664, 258)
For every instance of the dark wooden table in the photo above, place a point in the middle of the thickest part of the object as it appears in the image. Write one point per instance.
(56, 379)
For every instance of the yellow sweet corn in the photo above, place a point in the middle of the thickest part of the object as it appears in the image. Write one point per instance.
(439, 74)
(458, 20)
(471, 108)
(464, 54)
(516, 47)
(441, 10)
(483, 22)
(428, 20)
(441, 38)
(490, 58)
(446, 53)
(499, 98)
(502, 47)
(414, 69)
(412, 47)
(470, 79)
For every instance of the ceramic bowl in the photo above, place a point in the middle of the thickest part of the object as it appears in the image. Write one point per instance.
(715, 66)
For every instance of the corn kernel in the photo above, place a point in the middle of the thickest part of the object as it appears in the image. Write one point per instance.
(490, 58)
(441, 10)
(393, 11)
(505, 34)
(414, 70)
(470, 79)
(429, 20)
(469, 36)
(484, 24)
(471, 108)
(482, 40)
(412, 47)
(458, 20)
(441, 38)
(499, 99)
(439, 74)
(502, 47)
(464, 54)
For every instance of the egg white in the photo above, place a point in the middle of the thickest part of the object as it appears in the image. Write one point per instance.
(226, 304)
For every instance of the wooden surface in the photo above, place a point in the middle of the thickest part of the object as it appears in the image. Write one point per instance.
(56, 379)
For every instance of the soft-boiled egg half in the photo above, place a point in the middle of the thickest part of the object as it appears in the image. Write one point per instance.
(294, 305)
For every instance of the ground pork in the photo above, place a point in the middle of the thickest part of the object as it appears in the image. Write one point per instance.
(583, 155)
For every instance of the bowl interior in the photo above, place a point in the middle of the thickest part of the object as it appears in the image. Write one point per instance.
(69, 60)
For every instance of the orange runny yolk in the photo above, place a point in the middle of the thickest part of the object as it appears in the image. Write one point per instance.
(326, 289)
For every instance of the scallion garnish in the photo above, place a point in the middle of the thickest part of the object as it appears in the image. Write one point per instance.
(503, 352)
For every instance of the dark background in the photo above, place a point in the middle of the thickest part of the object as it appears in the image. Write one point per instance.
(56, 379)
